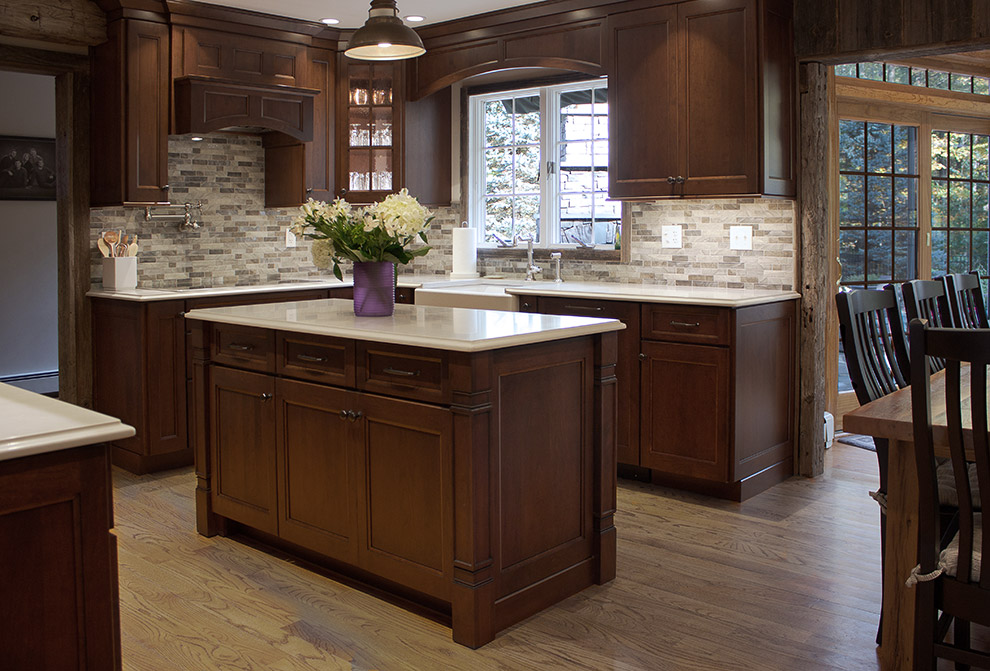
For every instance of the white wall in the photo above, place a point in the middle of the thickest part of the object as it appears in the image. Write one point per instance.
(28, 262)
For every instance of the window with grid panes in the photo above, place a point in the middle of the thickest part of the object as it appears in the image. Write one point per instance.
(539, 166)
(923, 77)
(960, 233)
(878, 203)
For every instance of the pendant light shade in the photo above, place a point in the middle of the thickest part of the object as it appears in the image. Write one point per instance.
(384, 37)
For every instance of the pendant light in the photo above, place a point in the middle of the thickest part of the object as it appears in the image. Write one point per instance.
(384, 37)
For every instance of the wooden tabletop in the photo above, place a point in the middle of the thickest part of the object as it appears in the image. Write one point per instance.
(890, 416)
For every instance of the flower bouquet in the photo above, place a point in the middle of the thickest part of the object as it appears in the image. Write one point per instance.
(378, 234)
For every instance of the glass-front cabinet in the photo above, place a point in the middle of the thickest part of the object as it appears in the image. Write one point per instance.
(370, 134)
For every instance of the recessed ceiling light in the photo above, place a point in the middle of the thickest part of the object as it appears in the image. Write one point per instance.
(330, 22)
(413, 18)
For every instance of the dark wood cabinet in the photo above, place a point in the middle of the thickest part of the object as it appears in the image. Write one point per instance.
(717, 396)
(297, 171)
(139, 377)
(701, 100)
(130, 114)
(685, 409)
(141, 372)
(242, 446)
(58, 562)
(627, 367)
(386, 143)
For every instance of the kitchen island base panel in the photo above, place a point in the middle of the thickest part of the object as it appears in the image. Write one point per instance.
(141, 464)
(520, 511)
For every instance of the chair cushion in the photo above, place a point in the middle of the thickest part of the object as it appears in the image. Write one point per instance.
(948, 560)
(947, 494)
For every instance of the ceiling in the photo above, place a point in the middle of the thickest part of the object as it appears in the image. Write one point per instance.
(353, 13)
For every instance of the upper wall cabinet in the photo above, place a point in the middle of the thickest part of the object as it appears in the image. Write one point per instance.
(243, 58)
(386, 143)
(702, 96)
(130, 114)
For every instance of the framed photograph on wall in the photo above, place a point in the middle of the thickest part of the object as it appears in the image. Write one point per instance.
(27, 168)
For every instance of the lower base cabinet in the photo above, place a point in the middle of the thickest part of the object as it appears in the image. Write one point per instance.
(58, 563)
(356, 477)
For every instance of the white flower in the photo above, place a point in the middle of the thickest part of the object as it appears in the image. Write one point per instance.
(321, 251)
(399, 214)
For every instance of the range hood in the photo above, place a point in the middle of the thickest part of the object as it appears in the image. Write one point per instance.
(207, 104)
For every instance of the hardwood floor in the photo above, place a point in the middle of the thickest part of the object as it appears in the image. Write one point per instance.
(788, 580)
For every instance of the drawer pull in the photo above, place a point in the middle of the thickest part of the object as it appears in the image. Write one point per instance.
(240, 348)
(310, 358)
(401, 373)
(585, 308)
(692, 325)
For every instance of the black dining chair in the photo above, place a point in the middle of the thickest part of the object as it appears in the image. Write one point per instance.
(952, 584)
(967, 309)
(869, 323)
(926, 299)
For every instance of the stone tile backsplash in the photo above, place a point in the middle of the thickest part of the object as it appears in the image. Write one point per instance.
(242, 242)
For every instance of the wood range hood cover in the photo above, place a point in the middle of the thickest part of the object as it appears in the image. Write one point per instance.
(208, 104)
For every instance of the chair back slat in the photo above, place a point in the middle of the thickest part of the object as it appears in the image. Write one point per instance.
(926, 299)
(955, 347)
(967, 308)
(868, 342)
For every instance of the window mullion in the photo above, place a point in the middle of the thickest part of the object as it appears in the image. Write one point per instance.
(925, 197)
(548, 196)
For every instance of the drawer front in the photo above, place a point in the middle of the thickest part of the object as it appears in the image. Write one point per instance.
(329, 360)
(405, 295)
(244, 347)
(400, 371)
(256, 298)
(686, 323)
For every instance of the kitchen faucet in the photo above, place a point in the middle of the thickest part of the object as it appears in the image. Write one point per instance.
(531, 268)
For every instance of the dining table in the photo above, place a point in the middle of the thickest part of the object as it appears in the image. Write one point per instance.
(890, 417)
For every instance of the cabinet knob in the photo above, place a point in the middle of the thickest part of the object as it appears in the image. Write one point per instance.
(356, 415)
(309, 191)
(343, 191)
(671, 180)
(642, 357)
(266, 397)
(525, 306)
(344, 414)
(165, 188)
(680, 180)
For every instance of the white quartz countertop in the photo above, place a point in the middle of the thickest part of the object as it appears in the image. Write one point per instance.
(34, 424)
(649, 293)
(142, 295)
(455, 329)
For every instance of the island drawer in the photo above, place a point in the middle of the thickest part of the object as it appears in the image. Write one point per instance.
(318, 358)
(686, 323)
(402, 371)
(244, 347)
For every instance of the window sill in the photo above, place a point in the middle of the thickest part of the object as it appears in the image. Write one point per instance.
(543, 253)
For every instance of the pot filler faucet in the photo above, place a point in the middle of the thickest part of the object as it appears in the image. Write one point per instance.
(531, 268)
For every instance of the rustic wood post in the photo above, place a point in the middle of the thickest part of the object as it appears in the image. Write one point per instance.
(814, 208)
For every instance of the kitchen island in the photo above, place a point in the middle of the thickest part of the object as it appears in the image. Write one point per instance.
(461, 460)
(58, 557)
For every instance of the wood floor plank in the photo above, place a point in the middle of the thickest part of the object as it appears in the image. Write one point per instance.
(787, 580)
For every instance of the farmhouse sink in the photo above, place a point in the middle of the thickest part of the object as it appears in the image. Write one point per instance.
(480, 295)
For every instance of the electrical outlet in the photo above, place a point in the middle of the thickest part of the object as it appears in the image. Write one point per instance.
(670, 237)
(740, 237)
(290, 238)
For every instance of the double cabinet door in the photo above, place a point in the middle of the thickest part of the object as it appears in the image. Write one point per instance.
(356, 477)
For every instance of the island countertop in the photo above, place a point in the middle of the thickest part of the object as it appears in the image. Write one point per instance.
(454, 329)
(34, 424)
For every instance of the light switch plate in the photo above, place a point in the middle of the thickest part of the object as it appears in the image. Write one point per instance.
(670, 237)
(290, 238)
(740, 237)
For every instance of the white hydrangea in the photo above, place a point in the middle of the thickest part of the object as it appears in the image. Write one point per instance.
(399, 213)
(313, 210)
(322, 251)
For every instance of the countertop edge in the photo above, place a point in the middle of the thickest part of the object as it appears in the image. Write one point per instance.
(603, 326)
(646, 298)
(65, 440)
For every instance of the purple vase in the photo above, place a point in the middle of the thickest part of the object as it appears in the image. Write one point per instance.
(374, 289)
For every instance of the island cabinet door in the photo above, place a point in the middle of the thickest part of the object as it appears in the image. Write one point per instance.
(243, 447)
(406, 511)
(685, 410)
(317, 468)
